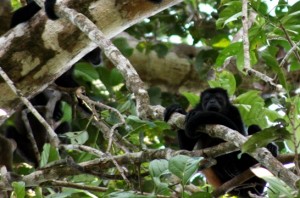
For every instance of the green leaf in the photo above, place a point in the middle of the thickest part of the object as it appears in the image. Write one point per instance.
(277, 187)
(115, 77)
(240, 59)
(110, 78)
(128, 195)
(232, 18)
(230, 13)
(184, 167)
(295, 66)
(271, 61)
(253, 110)
(201, 194)
(161, 49)
(86, 72)
(224, 79)
(78, 137)
(123, 46)
(264, 137)
(287, 18)
(142, 46)
(259, 6)
(49, 154)
(38, 192)
(191, 97)
(19, 189)
(232, 50)
(158, 168)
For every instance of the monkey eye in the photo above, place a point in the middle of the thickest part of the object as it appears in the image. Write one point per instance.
(219, 97)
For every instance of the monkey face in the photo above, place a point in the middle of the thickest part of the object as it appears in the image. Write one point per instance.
(213, 102)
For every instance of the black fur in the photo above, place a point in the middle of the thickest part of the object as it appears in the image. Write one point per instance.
(23, 14)
(7, 148)
(215, 108)
(19, 132)
(156, 1)
(49, 9)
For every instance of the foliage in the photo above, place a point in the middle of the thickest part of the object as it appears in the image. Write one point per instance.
(272, 34)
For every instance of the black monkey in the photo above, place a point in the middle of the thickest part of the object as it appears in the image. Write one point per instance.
(156, 1)
(19, 132)
(7, 147)
(215, 108)
(25, 13)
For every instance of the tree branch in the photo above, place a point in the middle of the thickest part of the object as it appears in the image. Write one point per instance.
(262, 155)
(53, 138)
(34, 67)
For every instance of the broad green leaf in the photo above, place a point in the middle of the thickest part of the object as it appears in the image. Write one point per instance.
(272, 62)
(110, 78)
(142, 46)
(295, 66)
(277, 187)
(201, 194)
(38, 192)
(192, 98)
(77, 137)
(289, 16)
(129, 195)
(115, 77)
(49, 154)
(161, 49)
(253, 110)
(264, 137)
(224, 79)
(233, 18)
(259, 6)
(184, 167)
(232, 50)
(293, 110)
(158, 168)
(222, 43)
(240, 59)
(19, 189)
(231, 12)
(123, 46)
(250, 97)
(86, 72)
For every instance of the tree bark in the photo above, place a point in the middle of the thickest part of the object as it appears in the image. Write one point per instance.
(5, 15)
(34, 54)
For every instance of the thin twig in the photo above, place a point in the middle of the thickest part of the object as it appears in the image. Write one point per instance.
(290, 42)
(103, 106)
(82, 148)
(284, 60)
(29, 134)
(53, 138)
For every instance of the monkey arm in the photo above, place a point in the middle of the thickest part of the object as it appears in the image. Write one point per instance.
(194, 119)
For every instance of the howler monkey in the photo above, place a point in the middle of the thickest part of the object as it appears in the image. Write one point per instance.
(7, 148)
(24, 13)
(20, 130)
(215, 108)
